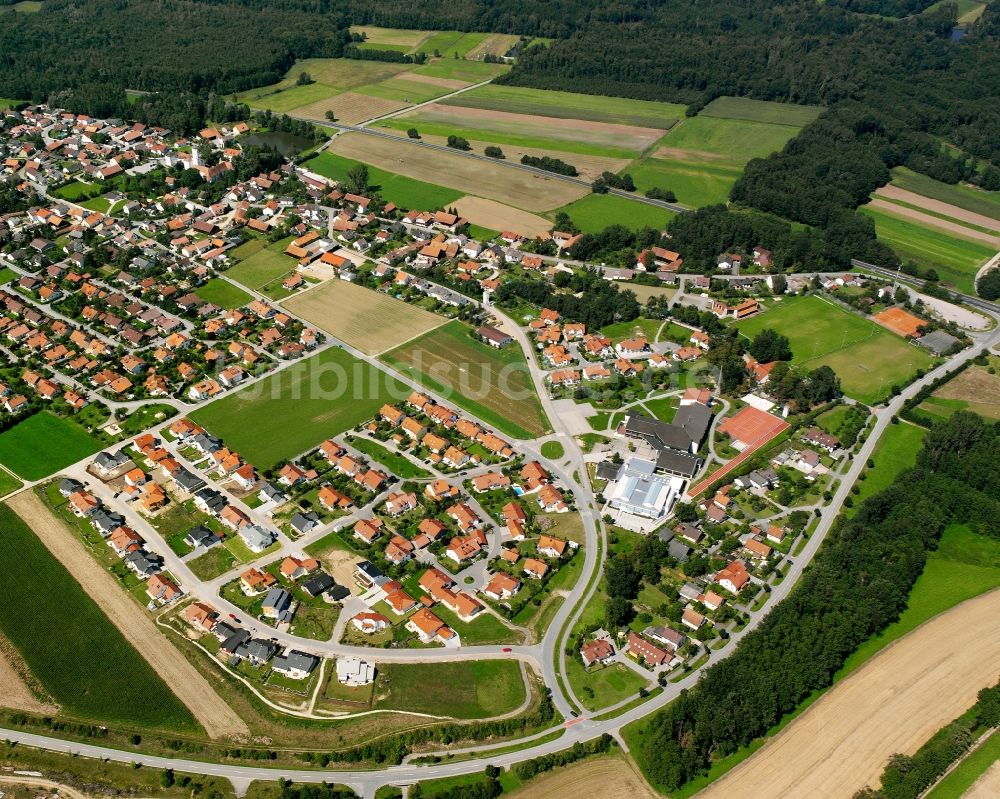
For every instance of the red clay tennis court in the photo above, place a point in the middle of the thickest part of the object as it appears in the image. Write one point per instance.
(752, 428)
(899, 321)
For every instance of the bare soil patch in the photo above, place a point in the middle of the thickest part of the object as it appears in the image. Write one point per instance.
(987, 786)
(365, 319)
(938, 207)
(497, 216)
(15, 676)
(497, 44)
(350, 108)
(614, 776)
(339, 564)
(935, 222)
(894, 703)
(187, 683)
(517, 187)
(444, 83)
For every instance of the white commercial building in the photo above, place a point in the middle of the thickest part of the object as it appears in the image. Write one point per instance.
(641, 492)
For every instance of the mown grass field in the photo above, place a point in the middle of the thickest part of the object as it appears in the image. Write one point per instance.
(895, 452)
(594, 212)
(568, 105)
(494, 385)
(696, 182)
(223, 293)
(462, 689)
(8, 483)
(294, 410)
(972, 199)
(602, 687)
(261, 263)
(459, 69)
(70, 646)
(43, 444)
(399, 465)
(736, 139)
(368, 320)
(761, 111)
(405, 192)
(867, 358)
(73, 191)
(955, 259)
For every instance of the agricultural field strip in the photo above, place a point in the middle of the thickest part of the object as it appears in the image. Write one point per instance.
(918, 217)
(960, 215)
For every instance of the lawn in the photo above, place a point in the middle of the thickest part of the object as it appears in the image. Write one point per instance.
(65, 630)
(895, 452)
(403, 191)
(369, 320)
(399, 465)
(974, 389)
(620, 331)
(284, 99)
(261, 264)
(955, 259)
(594, 212)
(7, 274)
(964, 565)
(867, 358)
(223, 293)
(294, 410)
(43, 444)
(602, 687)
(8, 483)
(6, 102)
(462, 689)
(495, 385)
(553, 450)
(569, 105)
(972, 199)
(218, 560)
(663, 409)
(736, 139)
(761, 111)
(696, 182)
(74, 191)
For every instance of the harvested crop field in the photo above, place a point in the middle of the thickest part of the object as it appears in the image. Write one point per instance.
(899, 321)
(497, 216)
(938, 207)
(182, 679)
(350, 108)
(974, 390)
(946, 225)
(599, 134)
(613, 774)
(497, 44)
(368, 320)
(987, 786)
(520, 188)
(444, 83)
(399, 36)
(894, 703)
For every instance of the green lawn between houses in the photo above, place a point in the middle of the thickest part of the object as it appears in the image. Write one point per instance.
(223, 293)
(399, 465)
(462, 689)
(405, 192)
(450, 362)
(867, 358)
(294, 410)
(64, 638)
(43, 444)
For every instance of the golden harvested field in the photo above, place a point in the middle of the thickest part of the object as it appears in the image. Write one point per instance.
(600, 134)
(894, 703)
(643, 293)
(368, 320)
(345, 73)
(977, 388)
(187, 683)
(517, 187)
(938, 207)
(444, 83)
(614, 776)
(500, 217)
(350, 108)
(402, 36)
(497, 44)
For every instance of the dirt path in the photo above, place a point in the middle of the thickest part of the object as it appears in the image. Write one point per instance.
(987, 786)
(894, 703)
(932, 221)
(218, 719)
(939, 207)
(8, 780)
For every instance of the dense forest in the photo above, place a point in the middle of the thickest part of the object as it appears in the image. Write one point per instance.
(856, 586)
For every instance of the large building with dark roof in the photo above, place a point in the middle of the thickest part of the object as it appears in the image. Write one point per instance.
(675, 443)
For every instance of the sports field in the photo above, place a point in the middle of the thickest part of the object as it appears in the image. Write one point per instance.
(294, 410)
(761, 111)
(367, 320)
(594, 212)
(568, 105)
(43, 444)
(520, 188)
(404, 191)
(461, 689)
(868, 359)
(494, 385)
(954, 258)
(59, 630)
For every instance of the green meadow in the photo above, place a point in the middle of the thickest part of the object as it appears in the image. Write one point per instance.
(594, 212)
